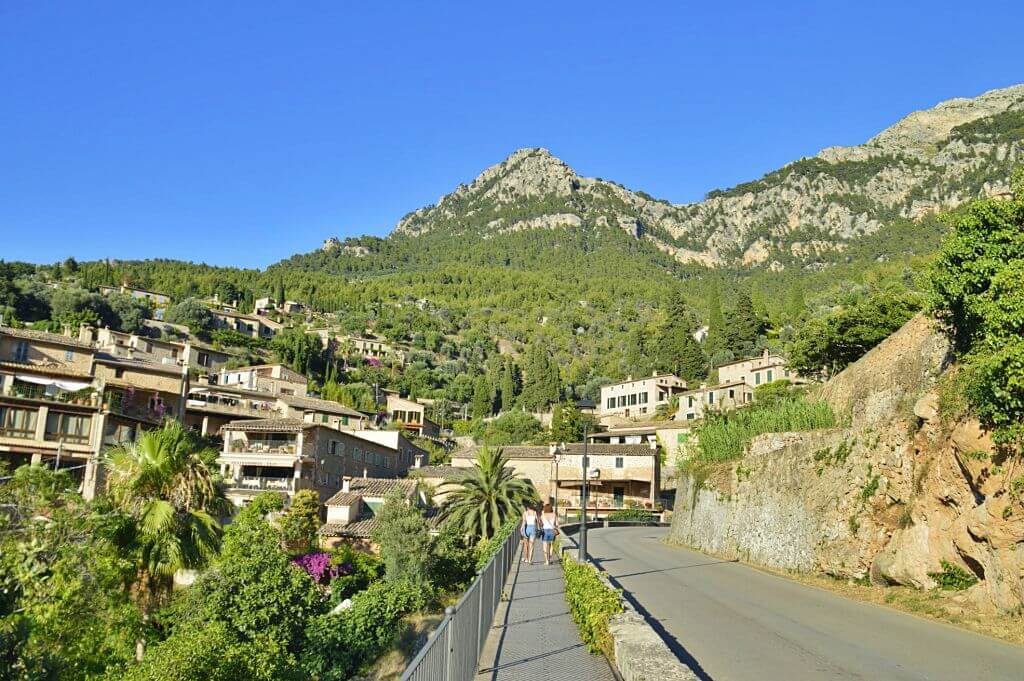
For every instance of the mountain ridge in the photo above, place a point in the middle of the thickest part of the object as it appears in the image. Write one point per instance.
(805, 214)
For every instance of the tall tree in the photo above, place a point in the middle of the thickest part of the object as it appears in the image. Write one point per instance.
(717, 340)
(541, 385)
(486, 496)
(566, 423)
(482, 403)
(744, 325)
(638, 352)
(169, 485)
(509, 384)
(404, 541)
(678, 351)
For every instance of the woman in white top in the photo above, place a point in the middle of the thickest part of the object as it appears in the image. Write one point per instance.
(549, 526)
(528, 529)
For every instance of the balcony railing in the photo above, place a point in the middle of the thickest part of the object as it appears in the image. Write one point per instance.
(18, 433)
(262, 447)
(68, 438)
(264, 484)
(86, 397)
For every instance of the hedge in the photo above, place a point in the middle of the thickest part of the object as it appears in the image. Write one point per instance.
(592, 605)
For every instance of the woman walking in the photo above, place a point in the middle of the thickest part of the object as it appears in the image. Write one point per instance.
(528, 529)
(549, 525)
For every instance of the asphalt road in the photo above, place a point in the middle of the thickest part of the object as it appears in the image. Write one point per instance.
(735, 623)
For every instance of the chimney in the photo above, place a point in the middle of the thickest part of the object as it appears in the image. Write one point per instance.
(418, 461)
(85, 333)
(364, 474)
(346, 484)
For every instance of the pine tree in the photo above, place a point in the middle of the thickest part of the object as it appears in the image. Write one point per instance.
(691, 364)
(509, 387)
(717, 341)
(638, 358)
(541, 385)
(743, 326)
(678, 351)
(482, 403)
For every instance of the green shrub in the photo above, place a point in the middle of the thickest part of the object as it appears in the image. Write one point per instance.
(632, 514)
(486, 548)
(723, 437)
(592, 605)
(953, 577)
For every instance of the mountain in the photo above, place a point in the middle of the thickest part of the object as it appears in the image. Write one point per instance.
(809, 213)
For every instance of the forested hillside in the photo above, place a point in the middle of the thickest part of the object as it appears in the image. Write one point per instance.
(604, 278)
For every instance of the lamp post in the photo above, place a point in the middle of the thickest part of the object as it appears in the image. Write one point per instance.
(583, 499)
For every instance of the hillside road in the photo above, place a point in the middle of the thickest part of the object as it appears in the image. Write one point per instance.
(735, 623)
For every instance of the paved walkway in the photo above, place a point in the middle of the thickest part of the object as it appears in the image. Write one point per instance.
(534, 637)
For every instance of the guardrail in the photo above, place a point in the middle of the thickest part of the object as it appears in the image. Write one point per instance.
(453, 650)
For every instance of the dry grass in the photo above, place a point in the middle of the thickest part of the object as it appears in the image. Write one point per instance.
(416, 629)
(934, 605)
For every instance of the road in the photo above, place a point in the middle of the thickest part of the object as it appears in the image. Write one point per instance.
(737, 623)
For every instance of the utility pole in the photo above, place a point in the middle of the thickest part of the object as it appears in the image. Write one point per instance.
(583, 499)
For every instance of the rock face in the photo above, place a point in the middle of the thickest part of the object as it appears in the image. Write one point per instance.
(890, 497)
(803, 214)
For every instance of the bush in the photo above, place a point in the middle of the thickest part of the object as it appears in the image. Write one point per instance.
(953, 577)
(592, 605)
(723, 437)
(486, 548)
(632, 514)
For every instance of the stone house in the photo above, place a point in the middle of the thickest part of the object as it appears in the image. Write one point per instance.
(638, 398)
(755, 371)
(694, 404)
(352, 511)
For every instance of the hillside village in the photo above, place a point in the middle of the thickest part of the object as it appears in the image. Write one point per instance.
(372, 460)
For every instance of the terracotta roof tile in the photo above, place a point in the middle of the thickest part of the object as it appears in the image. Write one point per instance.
(45, 337)
(373, 487)
(269, 425)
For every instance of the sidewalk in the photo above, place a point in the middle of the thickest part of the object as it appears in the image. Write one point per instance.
(534, 637)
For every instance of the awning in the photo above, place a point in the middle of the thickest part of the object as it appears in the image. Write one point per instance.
(63, 384)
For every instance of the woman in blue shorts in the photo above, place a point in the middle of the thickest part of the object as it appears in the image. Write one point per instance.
(549, 526)
(528, 529)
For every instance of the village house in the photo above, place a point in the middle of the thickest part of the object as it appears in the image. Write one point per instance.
(352, 512)
(370, 348)
(254, 326)
(620, 475)
(434, 482)
(755, 371)
(289, 454)
(209, 407)
(191, 353)
(50, 409)
(62, 402)
(639, 398)
(325, 412)
(694, 404)
(412, 416)
(273, 379)
(158, 301)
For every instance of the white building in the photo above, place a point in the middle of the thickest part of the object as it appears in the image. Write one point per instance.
(755, 371)
(639, 397)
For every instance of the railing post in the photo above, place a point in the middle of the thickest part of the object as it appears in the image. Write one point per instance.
(449, 641)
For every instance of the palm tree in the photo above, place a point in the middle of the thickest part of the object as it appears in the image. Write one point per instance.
(168, 484)
(486, 496)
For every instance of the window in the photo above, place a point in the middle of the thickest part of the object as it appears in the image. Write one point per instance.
(344, 420)
(19, 423)
(69, 355)
(632, 400)
(21, 351)
(357, 454)
(618, 462)
(643, 398)
(689, 401)
(757, 378)
(732, 393)
(690, 416)
(611, 402)
(769, 372)
(203, 360)
(71, 428)
(711, 397)
(622, 400)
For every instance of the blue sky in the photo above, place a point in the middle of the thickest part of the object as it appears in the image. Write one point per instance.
(239, 133)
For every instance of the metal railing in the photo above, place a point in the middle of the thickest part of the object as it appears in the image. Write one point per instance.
(453, 650)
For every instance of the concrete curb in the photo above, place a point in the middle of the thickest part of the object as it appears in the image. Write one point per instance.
(640, 653)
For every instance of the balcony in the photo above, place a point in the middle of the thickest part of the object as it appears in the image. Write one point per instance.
(18, 433)
(240, 446)
(639, 474)
(259, 484)
(120, 404)
(86, 397)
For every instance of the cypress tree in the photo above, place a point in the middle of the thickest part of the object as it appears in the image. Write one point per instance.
(744, 325)
(717, 340)
(482, 403)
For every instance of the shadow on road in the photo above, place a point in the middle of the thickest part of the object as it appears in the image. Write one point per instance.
(678, 567)
(674, 645)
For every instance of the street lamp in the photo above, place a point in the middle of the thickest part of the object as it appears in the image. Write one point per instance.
(582, 555)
